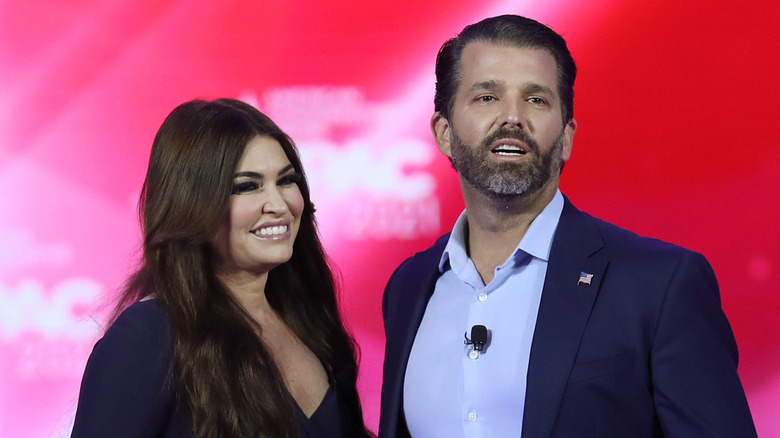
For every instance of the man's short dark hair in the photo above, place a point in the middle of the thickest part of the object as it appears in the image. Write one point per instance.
(510, 30)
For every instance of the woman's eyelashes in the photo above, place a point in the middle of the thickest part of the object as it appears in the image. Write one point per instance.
(253, 185)
(289, 179)
(244, 187)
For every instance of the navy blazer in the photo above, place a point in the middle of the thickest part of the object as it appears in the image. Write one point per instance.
(644, 350)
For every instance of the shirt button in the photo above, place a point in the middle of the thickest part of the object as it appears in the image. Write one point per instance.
(482, 297)
(472, 416)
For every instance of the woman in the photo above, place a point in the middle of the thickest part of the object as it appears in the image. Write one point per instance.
(232, 328)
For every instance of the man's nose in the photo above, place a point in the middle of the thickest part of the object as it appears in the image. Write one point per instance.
(513, 113)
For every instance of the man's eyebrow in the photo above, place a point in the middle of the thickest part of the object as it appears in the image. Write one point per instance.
(533, 87)
(490, 84)
(528, 87)
(256, 175)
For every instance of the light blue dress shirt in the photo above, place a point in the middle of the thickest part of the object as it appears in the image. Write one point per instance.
(449, 393)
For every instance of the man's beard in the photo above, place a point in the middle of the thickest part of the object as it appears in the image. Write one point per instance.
(502, 180)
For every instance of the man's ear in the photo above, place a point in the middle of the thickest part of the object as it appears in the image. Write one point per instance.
(568, 139)
(440, 128)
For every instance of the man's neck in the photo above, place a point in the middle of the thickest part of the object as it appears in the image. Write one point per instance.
(496, 226)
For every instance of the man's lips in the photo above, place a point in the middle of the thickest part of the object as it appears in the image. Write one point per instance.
(509, 147)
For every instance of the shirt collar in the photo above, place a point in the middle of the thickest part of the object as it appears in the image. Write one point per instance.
(537, 241)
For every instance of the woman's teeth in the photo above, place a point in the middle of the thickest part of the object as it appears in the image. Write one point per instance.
(271, 231)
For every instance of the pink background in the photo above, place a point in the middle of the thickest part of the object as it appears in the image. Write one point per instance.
(677, 111)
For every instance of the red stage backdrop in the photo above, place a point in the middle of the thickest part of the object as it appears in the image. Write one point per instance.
(676, 104)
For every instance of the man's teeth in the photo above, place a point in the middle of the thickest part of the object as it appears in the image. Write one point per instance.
(271, 231)
(506, 149)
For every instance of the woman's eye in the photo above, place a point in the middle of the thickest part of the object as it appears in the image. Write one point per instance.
(245, 187)
(289, 180)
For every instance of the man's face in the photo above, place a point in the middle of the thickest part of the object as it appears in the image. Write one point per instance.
(506, 135)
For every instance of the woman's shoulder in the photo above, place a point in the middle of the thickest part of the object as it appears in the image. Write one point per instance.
(146, 311)
(128, 381)
(144, 324)
(137, 347)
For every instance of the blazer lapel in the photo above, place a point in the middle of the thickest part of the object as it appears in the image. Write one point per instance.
(563, 314)
(422, 280)
(410, 288)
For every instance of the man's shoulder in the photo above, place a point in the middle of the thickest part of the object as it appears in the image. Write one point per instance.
(419, 269)
(426, 258)
(626, 243)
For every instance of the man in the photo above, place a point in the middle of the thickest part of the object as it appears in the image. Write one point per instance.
(592, 331)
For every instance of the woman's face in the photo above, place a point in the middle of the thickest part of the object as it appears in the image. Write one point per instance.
(265, 211)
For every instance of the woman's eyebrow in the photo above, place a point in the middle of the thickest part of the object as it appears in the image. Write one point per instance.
(256, 175)
(287, 168)
(249, 174)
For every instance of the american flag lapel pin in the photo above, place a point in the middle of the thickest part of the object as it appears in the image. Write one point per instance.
(585, 278)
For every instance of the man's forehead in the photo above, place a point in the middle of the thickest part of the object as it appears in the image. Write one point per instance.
(480, 60)
(473, 50)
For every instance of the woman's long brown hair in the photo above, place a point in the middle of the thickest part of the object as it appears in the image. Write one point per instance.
(224, 374)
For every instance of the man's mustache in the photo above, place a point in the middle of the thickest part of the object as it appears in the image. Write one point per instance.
(517, 134)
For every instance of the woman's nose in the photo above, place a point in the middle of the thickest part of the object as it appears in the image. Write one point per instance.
(274, 202)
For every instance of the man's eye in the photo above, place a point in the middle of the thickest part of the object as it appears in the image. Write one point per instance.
(289, 180)
(485, 99)
(244, 187)
(537, 100)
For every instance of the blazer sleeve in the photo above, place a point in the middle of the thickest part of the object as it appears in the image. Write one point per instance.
(127, 390)
(697, 391)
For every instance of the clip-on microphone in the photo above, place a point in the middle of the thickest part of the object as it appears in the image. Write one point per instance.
(479, 337)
